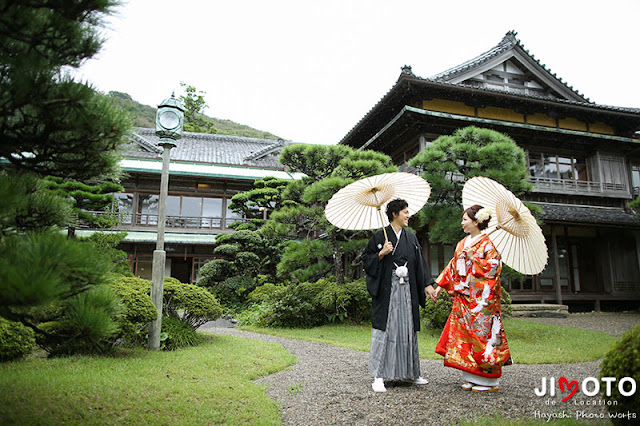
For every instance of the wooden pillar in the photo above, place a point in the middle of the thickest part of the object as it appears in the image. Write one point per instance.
(556, 265)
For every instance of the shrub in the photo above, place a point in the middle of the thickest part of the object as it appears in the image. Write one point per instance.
(179, 334)
(139, 310)
(215, 271)
(622, 360)
(350, 301)
(308, 304)
(505, 303)
(256, 314)
(233, 291)
(16, 340)
(262, 292)
(196, 304)
(88, 324)
(291, 307)
(435, 314)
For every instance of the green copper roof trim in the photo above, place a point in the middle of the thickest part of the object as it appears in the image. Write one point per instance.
(130, 164)
(495, 122)
(181, 173)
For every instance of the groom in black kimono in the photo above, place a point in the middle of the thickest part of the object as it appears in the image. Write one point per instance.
(397, 279)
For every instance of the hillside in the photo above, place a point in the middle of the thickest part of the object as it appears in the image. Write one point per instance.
(145, 116)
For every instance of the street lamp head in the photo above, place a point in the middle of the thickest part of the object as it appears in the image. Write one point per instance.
(169, 121)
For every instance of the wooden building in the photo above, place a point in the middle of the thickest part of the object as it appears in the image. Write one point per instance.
(584, 161)
(206, 170)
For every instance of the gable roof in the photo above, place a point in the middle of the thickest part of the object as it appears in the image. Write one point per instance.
(517, 62)
(470, 80)
(209, 149)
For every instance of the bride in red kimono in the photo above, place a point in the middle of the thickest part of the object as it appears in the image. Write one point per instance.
(473, 339)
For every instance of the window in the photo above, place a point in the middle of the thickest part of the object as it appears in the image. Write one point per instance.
(148, 209)
(547, 277)
(123, 205)
(211, 212)
(231, 215)
(183, 211)
(557, 167)
(635, 179)
(198, 263)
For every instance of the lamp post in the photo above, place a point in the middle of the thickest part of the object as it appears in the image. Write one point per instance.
(169, 122)
(264, 212)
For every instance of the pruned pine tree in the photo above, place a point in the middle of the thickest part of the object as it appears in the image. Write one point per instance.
(453, 159)
(318, 248)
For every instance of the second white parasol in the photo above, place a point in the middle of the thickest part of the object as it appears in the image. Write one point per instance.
(512, 228)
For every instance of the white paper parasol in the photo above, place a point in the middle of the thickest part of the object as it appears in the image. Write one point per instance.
(512, 227)
(360, 205)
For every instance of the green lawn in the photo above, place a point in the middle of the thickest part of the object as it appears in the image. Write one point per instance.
(530, 342)
(212, 383)
(207, 384)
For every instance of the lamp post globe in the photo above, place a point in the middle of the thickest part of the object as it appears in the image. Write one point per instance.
(169, 124)
(170, 120)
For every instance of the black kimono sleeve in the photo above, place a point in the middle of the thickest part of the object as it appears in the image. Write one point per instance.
(372, 264)
(423, 274)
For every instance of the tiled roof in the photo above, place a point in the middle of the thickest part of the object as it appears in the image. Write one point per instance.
(508, 42)
(407, 79)
(209, 148)
(588, 214)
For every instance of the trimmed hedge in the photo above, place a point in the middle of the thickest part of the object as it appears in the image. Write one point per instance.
(139, 310)
(623, 360)
(192, 304)
(189, 304)
(308, 304)
(16, 340)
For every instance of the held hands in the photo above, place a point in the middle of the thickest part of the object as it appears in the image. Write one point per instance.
(433, 293)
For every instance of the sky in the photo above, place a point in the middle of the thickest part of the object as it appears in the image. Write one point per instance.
(308, 71)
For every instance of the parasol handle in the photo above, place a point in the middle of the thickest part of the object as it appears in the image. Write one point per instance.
(384, 228)
(480, 237)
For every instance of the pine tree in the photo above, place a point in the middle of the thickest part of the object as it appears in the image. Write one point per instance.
(319, 248)
(50, 123)
(194, 104)
(453, 159)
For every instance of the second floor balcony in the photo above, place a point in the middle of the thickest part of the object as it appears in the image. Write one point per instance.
(137, 221)
(579, 187)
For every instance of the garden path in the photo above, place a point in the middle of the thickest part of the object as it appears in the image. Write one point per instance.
(331, 385)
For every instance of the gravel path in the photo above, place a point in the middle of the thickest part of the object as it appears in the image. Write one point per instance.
(331, 385)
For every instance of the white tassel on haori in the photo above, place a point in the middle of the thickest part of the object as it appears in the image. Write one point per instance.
(402, 272)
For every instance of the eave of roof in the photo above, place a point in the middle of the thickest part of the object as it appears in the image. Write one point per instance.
(578, 214)
(477, 120)
(590, 106)
(206, 170)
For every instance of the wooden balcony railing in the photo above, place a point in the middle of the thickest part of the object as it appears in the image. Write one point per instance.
(578, 186)
(133, 220)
